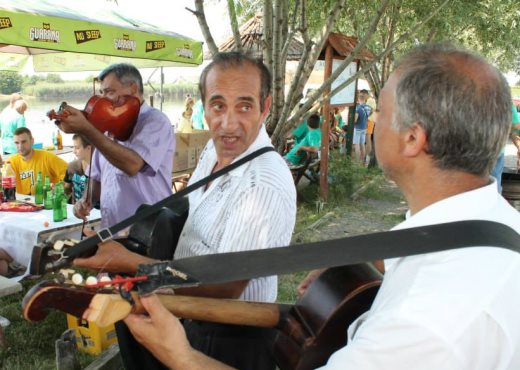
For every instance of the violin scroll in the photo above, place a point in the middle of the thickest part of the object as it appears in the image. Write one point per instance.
(59, 115)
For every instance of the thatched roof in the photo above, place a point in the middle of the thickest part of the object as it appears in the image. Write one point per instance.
(343, 45)
(251, 37)
(251, 34)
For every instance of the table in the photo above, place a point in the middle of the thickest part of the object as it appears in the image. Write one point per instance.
(21, 231)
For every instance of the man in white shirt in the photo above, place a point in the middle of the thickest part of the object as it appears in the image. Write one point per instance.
(251, 207)
(444, 117)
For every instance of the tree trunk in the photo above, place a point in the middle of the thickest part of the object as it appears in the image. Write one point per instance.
(203, 24)
(234, 24)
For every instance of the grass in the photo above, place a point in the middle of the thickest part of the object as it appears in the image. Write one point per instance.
(31, 346)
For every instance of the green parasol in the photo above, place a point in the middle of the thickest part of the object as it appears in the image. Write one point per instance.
(65, 39)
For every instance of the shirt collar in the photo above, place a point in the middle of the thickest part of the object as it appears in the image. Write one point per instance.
(463, 206)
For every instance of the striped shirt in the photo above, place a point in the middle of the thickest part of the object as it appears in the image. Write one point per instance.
(251, 207)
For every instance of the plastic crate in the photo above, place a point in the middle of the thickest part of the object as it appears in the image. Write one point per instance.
(91, 338)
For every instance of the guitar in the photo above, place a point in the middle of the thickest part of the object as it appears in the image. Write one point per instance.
(118, 118)
(308, 331)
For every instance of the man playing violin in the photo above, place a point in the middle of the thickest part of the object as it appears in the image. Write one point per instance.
(445, 114)
(125, 174)
(251, 207)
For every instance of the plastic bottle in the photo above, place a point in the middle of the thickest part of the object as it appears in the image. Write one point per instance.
(59, 141)
(47, 194)
(57, 213)
(38, 190)
(8, 182)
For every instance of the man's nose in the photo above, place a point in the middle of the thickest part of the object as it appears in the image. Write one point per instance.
(229, 120)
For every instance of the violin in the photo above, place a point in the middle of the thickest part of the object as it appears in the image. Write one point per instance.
(118, 118)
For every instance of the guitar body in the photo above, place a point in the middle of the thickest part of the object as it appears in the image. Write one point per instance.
(155, 236)
(317, 324)
(118, 118)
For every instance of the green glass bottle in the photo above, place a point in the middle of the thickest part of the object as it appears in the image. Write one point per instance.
(63, 201)
(47, 193)
(57, 214)
(38, 190)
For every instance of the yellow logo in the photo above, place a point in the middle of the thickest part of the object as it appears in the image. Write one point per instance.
(5, 22)
(44, 34)
(86, 35)
(155, 45)
(125, 44)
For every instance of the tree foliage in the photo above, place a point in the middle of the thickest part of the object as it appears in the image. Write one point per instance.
(387, 27)
(10, 82)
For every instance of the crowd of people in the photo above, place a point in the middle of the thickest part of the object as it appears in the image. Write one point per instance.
(364, 120)
(454, 309)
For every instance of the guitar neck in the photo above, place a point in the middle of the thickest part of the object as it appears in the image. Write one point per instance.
(105, 309)
(224, 311)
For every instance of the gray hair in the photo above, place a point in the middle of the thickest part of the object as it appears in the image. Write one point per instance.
(126, 73)
(235, 59)
(462, 102)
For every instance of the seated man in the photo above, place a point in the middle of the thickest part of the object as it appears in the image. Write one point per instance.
(28, 162)
(449, 310)
(310, 143)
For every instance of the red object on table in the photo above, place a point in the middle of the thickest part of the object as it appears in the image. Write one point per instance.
(17, 206)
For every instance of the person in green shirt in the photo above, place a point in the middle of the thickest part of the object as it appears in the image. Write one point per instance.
(310, 143)
(300, 132)
(9, 122)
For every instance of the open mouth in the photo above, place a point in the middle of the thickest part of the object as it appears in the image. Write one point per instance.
(229, 140)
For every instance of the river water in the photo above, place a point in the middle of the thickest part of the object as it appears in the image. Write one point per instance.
(42, 128)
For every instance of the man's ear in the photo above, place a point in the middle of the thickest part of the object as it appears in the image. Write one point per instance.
(135, 88)
(415, 140)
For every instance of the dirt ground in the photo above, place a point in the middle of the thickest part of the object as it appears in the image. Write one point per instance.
(363, 215)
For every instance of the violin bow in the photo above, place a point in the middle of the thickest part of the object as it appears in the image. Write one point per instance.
(89, 192)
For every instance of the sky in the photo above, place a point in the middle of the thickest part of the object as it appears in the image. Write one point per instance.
(174, 17)
(169, 15)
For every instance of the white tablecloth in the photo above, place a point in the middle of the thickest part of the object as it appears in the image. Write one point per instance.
(21, 231)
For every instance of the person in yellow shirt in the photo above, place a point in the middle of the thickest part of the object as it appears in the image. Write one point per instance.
(28, 162)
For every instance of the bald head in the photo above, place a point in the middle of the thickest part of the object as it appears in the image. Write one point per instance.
(20, 106)
(14, 98)
(462, 102)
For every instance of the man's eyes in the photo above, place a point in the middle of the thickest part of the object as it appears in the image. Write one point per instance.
(241, 108)
(245, 108)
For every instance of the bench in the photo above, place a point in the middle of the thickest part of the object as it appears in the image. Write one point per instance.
(311, 163)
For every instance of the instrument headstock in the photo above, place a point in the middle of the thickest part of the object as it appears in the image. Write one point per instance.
(50, 255)
(90, 304)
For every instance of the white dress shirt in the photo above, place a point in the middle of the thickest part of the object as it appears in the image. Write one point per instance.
(252, 207)
(451, 310)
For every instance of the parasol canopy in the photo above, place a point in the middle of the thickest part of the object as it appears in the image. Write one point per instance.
(81, 39)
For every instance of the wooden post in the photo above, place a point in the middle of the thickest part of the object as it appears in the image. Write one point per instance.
(324, 150)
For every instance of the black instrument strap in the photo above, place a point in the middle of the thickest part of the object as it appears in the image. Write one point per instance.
(225, 267)
(87, 245)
